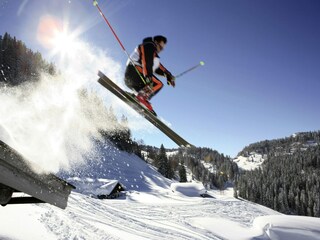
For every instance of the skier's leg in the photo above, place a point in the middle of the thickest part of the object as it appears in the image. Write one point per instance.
(157, 86)
(132, 78)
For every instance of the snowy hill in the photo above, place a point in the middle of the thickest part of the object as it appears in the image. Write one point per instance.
(109, 163)
(252, 156)
(251, 162)
(151, 209)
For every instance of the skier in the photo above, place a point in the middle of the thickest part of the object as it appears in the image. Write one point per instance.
(146, 61)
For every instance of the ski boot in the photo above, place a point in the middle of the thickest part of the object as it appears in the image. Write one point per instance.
(143, 97)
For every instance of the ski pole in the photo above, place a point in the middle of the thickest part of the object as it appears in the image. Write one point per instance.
(190, 69)
(95, 3)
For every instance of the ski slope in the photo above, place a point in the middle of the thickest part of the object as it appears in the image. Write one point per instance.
(151, 209)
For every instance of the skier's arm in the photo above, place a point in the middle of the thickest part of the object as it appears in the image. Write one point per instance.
(162, 70)
(165, 72)
(147, 55)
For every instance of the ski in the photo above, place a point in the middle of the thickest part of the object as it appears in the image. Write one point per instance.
(134, 103)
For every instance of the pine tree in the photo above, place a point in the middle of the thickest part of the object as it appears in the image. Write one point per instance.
(163, 163)
(183, 173)
(316, 206)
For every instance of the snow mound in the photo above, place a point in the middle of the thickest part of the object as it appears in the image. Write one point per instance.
(188, 189)
(289, 227)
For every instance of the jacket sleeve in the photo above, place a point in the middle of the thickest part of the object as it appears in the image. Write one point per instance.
(147, 54)
(162, 70)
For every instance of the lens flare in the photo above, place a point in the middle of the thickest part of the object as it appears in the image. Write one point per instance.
(53, 34)
(47, 29)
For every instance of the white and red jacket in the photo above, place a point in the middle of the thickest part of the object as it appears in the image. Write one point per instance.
(145, 55)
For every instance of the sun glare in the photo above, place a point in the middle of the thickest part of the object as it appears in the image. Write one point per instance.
(63, 42)
(53, 35)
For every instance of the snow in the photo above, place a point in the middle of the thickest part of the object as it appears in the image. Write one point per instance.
(93, 187)
(253, 161)
(153, 208)
(172, 153)
(188, 189)
(58, 131)
(289, 227)
(209, 166)
(151, 216)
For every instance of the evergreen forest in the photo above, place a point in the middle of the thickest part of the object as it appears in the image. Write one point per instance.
(289, 179)
(19, 64)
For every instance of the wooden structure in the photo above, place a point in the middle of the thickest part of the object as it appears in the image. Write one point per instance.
(17, 176)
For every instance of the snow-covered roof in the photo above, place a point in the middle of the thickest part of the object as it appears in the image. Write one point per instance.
(188, 189)
(107, 188)
(91, 186)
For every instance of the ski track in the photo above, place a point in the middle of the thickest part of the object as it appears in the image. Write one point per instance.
(88, 218)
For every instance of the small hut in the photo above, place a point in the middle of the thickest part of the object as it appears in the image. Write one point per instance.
(110, 190)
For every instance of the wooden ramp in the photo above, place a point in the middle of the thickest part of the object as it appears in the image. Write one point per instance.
(17, 176)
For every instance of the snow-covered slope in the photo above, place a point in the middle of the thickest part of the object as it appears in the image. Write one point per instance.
(151, 209)
(109, 163)
(253, 161)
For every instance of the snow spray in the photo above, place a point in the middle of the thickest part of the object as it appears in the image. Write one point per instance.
(51, 122)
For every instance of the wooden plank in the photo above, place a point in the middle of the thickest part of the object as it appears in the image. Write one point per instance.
(16, 174)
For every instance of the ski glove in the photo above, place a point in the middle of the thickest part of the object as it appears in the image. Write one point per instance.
(148, 81)
(170, 79)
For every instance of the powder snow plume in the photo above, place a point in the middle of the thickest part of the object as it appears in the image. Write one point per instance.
(50, 122)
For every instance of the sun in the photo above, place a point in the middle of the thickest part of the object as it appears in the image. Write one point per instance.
(63, 42)
(54, 35)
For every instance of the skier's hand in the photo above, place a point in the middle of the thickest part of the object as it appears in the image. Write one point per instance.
(171, 80)
(149, 81)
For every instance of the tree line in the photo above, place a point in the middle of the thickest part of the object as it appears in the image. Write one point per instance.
(283, 145)
(19, 64)
(209, 166)
(206, 165)
(289, 180)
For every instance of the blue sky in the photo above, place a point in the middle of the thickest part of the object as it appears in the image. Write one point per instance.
(261, 79)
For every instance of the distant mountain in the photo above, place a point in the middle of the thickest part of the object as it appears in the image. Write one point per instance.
(252, 156)
(285, 174)
(206, 165)
(288, 145)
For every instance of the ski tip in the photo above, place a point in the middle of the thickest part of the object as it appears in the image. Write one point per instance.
(201, 63)
(100, 74)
